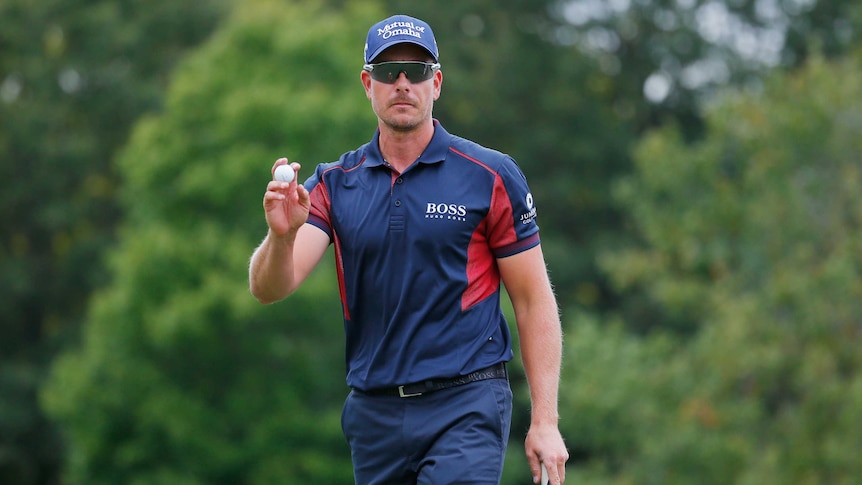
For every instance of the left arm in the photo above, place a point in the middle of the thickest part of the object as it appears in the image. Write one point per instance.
(540, 333)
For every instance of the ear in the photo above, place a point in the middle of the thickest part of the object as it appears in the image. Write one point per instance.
(438, 84)
(365, 76)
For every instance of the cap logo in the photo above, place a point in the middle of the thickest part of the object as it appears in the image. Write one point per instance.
(401, 28)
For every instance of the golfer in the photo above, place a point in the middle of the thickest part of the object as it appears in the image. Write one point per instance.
(425, 226)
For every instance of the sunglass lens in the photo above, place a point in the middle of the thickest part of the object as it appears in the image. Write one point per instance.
(388, 72)
(416, 72)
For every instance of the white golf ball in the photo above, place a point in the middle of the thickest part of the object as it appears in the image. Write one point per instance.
(284, 173)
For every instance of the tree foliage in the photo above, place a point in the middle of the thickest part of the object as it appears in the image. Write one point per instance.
(74, 76)
(182, 376)
(752, 238)
(675, 52)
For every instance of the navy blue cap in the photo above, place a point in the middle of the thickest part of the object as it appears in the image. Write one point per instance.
(398, 29)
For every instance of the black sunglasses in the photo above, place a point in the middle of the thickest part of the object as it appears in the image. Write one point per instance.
(388, 72)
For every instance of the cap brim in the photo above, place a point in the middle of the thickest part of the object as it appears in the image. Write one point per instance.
(380, 50)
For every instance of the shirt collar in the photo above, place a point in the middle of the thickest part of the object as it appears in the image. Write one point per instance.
(435, 152)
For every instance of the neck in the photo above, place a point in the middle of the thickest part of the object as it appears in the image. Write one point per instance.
(401, 148)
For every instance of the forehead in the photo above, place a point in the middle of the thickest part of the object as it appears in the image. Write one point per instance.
(404, 52)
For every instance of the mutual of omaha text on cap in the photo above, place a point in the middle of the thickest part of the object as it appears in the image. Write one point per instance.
(399, 29)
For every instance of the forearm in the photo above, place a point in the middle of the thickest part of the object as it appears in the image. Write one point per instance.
(271, 274)
(541, 350)
(541, 337)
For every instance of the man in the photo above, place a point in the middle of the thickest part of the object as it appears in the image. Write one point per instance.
(425, 225)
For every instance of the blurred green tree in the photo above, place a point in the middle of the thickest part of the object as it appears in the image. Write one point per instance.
(74, 75)
(182, 377)
(673, 53)
(751, 242)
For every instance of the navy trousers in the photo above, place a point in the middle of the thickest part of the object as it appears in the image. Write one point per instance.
(453, 436)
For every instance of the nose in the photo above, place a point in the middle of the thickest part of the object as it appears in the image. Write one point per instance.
(401, 82)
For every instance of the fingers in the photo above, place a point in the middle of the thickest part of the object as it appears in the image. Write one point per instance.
(286, 204)
(273, 198)
(554, 464)
(535, 468)
(276, 186)
(557, 474)
(554, 473)
(302, 195)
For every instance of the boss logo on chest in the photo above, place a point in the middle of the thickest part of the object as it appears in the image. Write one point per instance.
(447, 211)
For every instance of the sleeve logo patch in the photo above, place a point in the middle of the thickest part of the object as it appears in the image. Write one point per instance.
(530, 216)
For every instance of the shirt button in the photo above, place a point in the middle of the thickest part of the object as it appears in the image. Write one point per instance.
(399, 180)
(397, 203)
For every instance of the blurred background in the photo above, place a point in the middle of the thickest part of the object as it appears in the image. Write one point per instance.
(696, 164)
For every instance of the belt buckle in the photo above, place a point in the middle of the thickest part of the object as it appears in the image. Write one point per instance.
(401, 393)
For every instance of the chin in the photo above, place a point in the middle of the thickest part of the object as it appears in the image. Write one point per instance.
(400, 124)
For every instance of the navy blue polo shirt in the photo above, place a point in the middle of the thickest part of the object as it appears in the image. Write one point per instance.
(416, 256)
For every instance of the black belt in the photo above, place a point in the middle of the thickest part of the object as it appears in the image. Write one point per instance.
(496, 371)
